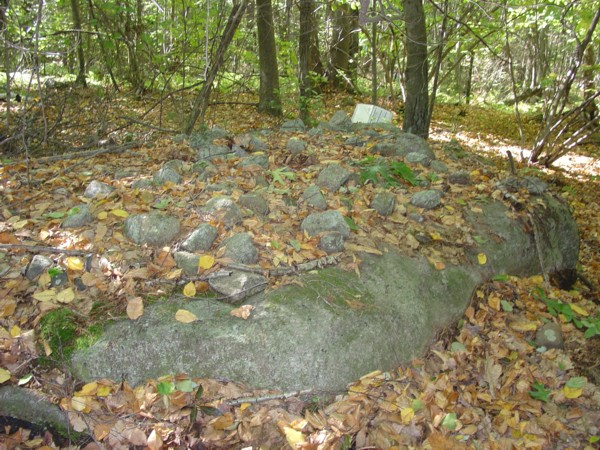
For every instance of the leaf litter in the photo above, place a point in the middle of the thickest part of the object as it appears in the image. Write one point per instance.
(483, 383)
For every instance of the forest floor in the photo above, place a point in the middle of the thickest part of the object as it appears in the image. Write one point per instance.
(482, 384)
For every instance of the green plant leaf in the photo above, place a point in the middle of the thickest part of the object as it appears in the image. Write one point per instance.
(539, 392)
(165, 387)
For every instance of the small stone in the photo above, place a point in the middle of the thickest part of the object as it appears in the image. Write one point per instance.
(201, 239)
(79, 216)
(224, 209)
(383, 203)
(38, 265)
(416, 217)
(419, 158)
(295, 146)
(255, 160)
(97, 189)
(187, 261)
(254, 203)
(293, 125)
(142, 184)
(332, 242)
(314, 197)
(240, 249)
(238, 286)
(167, 174)
(461, 177)
(428, 199)
(549, 336)
(333, 177)
(151, 228)
(325, 222)
(438, 166)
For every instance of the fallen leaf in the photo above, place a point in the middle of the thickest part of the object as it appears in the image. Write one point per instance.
(243, 312)
(74, 263)
(135, 308)
(189, 289)
(184, 316)
(4, 375)
(45, 296)
(120, 213)
(206, 262)
(65, 296)
(482, 259)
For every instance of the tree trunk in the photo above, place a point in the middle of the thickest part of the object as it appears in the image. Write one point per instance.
(4, 35)
(305, 86)
(201, 103)
(76, 13)
(340, 74)
(269, 99)
(416, 114)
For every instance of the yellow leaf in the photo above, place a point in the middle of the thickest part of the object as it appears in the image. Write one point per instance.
(206, 262)
(88, 389)
(481, 259)
(523, 326)
(579, 310)
(155, 441)
(135, 308)
(81, 404)
(66, 296)
(439, 265)
(74, 263)
(293, 437)
(244, 406)
(103, 391)
(243, 312)
(45, 296)
(572, 392)
(537, 279)
(190, 289)
(120, 213)
(435, 236)
(4, 375)
(102, 215)
(184, 316)
(174, 274)
(407, 414)
(15, 331)
(19, 225)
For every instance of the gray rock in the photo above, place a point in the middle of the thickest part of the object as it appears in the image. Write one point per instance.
(210, 151)
(333, 177)
(418, 158)
(176, 164)
(97, 189)
(438, 166)
(315, 131)
(166, 174)
(324, 222)
(254, 203)
(340, 121)
(256, 145)
(416, 217)
(410, 143)
(225, 188)
(142, 184)
(187, 261)
(293, 125)
(428, 199)
(314, 197)
(383, 203)
(198, 140)
(549, 336)
(355, 141)
(151, 228)
(332, 242)
(201, 239)
(238, 286)
(38, 265)
(312, 335)
(31, 406)
(240, 248)
(224, 209)
(461, 177)
(255, 160)
(295, 146)
(78, 217)
(533, 185)
(386, 149)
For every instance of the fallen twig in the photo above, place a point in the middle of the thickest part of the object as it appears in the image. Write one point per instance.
(43, 249)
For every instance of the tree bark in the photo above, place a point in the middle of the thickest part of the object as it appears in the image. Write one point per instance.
(201, 103)
(416, 112)
(305, 86)
(76, 13)
(269, 98)
(342, 52)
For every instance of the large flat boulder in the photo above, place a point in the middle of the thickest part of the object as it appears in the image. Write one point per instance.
(334, 326)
